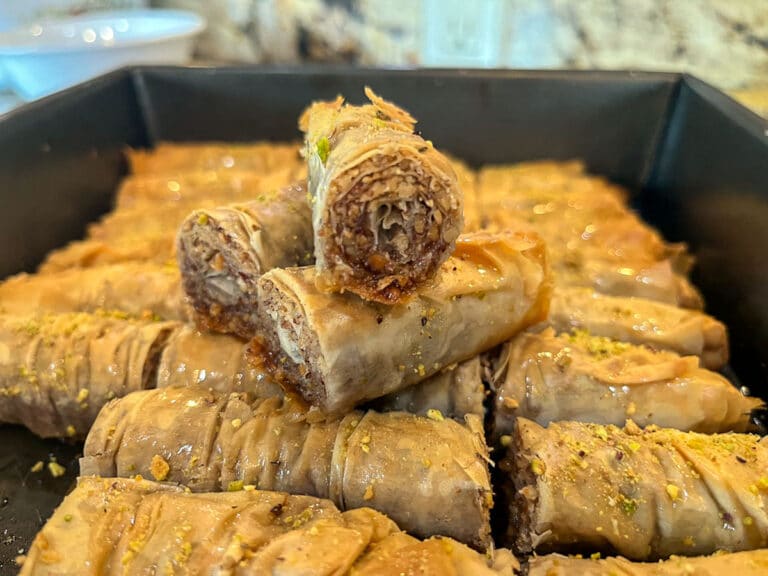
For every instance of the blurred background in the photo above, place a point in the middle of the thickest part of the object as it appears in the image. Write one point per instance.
(724, 42)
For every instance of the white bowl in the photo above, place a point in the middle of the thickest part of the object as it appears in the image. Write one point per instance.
(53, 54)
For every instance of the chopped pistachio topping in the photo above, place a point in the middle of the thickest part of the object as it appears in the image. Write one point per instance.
(435, 414)
(32, 328)
(747, 521)
(71, 431)
(68, 518)
(538, 467)
(595, 556)
(56, 469)
(202, 219)
(236, 423)
(598, 346)
(505, 440)
(235, 486)
(601, 432)
(673, 491)
(628, 505)
(37, 467)
(323, 149)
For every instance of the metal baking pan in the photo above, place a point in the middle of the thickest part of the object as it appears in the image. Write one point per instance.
(696, 162)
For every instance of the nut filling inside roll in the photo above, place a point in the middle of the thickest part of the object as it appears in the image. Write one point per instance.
(395, 234)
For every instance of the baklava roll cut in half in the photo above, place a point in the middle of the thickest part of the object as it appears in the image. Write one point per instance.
(222, 252)
(115, 526)
(56, 372)
(386, 206)
(428, 474)
(752, 563)
(577, 376)
(338, 350)
(643, 494)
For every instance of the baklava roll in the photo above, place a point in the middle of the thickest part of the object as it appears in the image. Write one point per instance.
(56, 372)
(143, 221)
(455, 392)
(386, 206)
(643, 494)
(180, 158)
(118, 526)
(138, 289)
(752, 563)
(157, 249)
(222, 252)
(217, 361)
(577, 376)
(226, 364)
(223, 186)
(499, 181)
(652, 280)
(428, 474)
(641, 321)
(338, 350)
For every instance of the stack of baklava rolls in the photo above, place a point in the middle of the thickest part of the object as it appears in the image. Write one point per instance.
(283, 363)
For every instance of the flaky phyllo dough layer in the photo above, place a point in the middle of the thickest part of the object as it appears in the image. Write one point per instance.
(386, 206)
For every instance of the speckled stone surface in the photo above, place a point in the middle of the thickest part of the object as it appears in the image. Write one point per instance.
(722, 41)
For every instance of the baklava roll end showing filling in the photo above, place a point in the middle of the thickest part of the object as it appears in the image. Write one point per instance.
(386, 206)
(222, 252)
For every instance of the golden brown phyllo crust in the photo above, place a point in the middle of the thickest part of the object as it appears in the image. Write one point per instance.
(387, 207)
(642, 493)
(141, 527)
(429, 474)
(338, 351)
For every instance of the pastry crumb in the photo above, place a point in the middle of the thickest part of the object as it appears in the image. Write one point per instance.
(159, 468)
